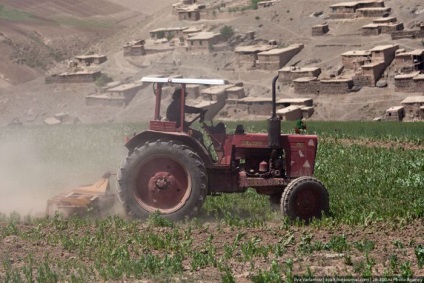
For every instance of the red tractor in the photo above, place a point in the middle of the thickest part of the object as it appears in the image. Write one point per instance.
(168, 170)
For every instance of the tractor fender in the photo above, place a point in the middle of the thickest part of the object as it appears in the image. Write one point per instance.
(148, 136)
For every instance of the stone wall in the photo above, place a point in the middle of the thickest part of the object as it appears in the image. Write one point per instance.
(73, 78)
(319, 30)
(371, 31)
(336, 86)
(246, 60)
(405, 84)
(407, 34)
(303, 86)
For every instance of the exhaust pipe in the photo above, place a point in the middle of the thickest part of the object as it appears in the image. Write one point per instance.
(274, 123)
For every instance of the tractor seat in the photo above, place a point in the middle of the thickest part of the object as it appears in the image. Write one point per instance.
(239, 130)
(218, 129)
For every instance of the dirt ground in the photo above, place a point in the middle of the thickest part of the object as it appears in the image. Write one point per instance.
(393, 245)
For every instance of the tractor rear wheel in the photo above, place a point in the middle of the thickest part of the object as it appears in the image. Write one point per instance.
(165, 177)
(305, 198)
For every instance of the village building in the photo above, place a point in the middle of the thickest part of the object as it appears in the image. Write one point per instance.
(290, 113)
(87, 76)
(276, 58)
(266, 4)
(135, 48)
(409, 61)
(288, 74)
(188, 32)
(190, 13)
(349, 9)
(412, 82)
(373, 12)
(235, 92)
(247, 56)
(87, 60)
(353, 60)
(301, 102)
(395, 113)
(384, 54)
(256, 105)
(203, 41)
(335, 86)
(382, 25)
(215, 93)
(319, 30)
(306, 85)
(167, 33)
(369, 74)
(417, 33)
(119, 96)
(414, 107)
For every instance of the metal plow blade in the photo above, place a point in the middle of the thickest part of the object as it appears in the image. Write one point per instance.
(82, 200)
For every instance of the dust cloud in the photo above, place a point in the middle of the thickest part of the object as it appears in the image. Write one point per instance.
(23, 179)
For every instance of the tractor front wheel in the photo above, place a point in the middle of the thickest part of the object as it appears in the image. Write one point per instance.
(305, 198)
(165, 177)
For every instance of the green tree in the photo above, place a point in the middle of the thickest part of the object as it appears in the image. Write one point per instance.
(226, 32)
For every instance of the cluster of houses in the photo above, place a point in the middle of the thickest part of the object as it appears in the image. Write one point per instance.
(79, 70)
(411, 109)
(355, 9)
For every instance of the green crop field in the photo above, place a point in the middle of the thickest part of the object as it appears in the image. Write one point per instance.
(374, 173)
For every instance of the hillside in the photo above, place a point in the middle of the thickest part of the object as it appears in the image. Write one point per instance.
(42, 37)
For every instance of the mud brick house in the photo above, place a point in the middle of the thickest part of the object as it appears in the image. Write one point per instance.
(87, 60)
(384, 53)
(266, 4)
(190, 13)
(409, 61)
(193, 91)
(135, 48)
(412, 82)
(369, 74)
(215, 93)
(117, 96)
(288, 74)
(414, 107)
(336, 86)
(286, 102)
(167, 33)
(419, 33)
(203, 41)
(350, 9)
(276, 58)
(247, 56)
(306, 85)
(395, 113)
(191, 31)
(353, 60)
(76, 77)
(256, 105)
(290, 113)
(235, 92)
(373, 12)
(319, 30)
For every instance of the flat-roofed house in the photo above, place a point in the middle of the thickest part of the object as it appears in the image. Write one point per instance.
(414, 107)
(355, 59)
(395, 113)
(318, 30)
(276, 58)
(409, 61)
(189, 13)
(247, 56)
(290, 113)
(288, 74)
(116, 96)
(134, 48)
(384, 53)
(160, 33)
(203, 41)
(373, 12)
(87, 60)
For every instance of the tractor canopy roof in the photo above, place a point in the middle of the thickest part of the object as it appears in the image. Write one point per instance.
(183, 81)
